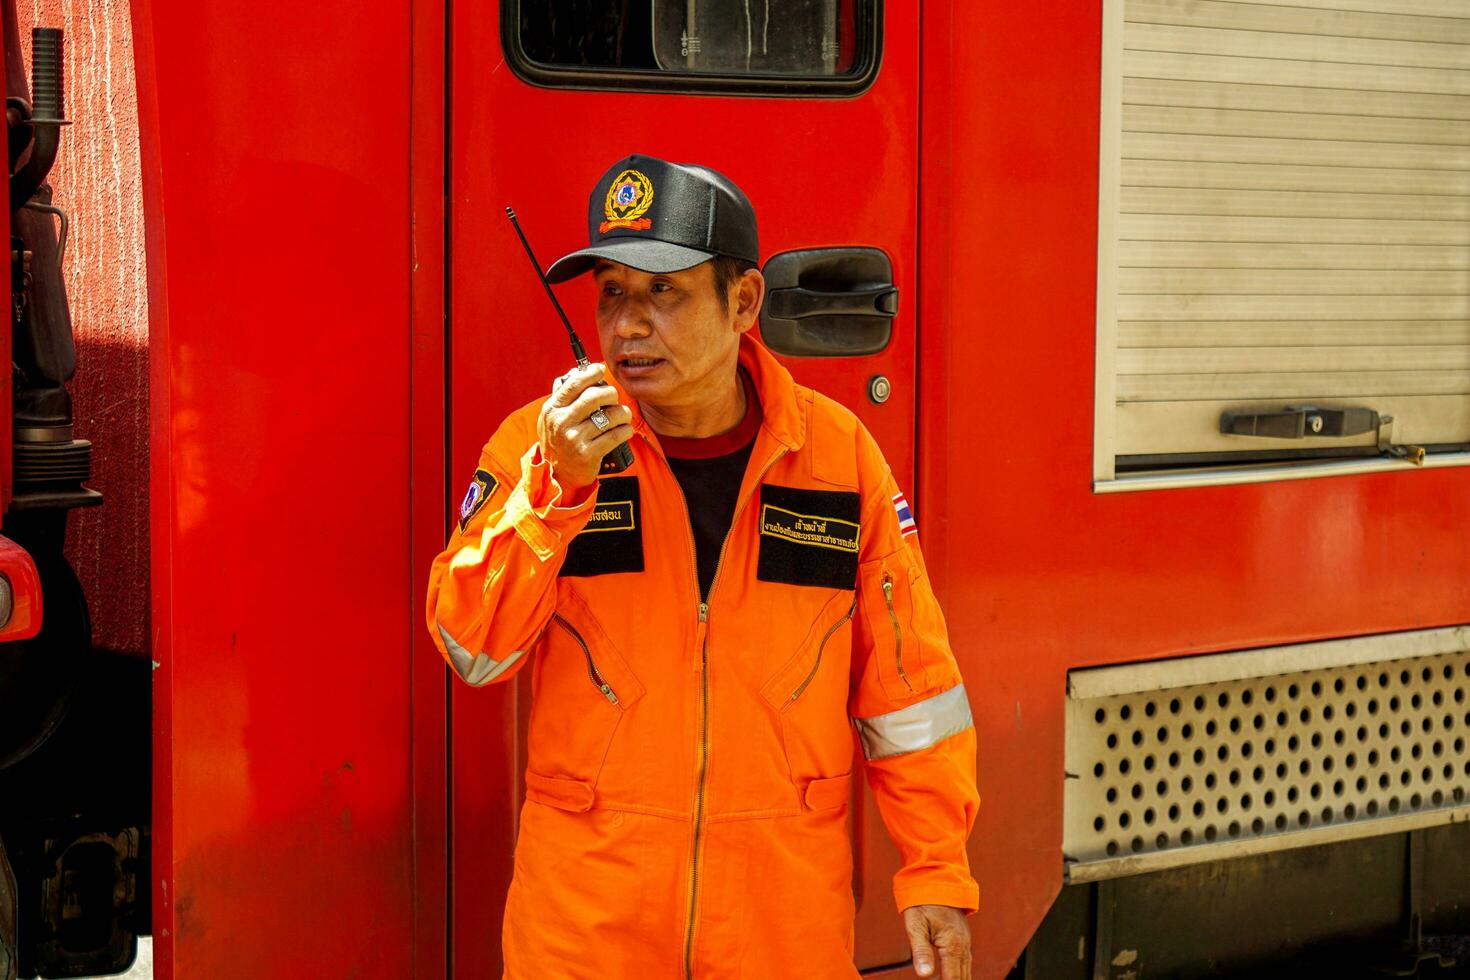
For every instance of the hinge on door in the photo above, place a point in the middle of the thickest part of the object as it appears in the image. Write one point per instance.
(1309, 421)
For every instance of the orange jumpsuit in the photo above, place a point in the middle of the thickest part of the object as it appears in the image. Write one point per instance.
(690, 763)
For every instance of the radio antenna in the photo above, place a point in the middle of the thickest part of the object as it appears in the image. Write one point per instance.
(577, 350)
(621, 456)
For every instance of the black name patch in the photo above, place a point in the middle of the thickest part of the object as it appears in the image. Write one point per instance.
(612, 540)
(809, 537)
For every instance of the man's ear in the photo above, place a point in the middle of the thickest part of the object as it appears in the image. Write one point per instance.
(750, 292)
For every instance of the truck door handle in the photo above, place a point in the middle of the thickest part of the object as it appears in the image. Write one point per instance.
(1300, 422)
(829, 302)
(796, 303)
(1309, 421)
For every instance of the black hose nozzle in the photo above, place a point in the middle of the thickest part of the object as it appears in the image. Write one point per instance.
(46, 75)
(47, 115)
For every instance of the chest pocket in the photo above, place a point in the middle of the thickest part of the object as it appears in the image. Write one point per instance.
(581, 690)
(809, 696)
(809, 537)
(612, 541)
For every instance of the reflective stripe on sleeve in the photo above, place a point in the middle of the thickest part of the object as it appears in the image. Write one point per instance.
(479, 668)
(920, 725)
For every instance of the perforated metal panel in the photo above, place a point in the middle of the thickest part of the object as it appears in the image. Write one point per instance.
(1163, 776)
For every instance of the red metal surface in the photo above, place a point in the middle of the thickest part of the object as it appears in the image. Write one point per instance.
(97, 181)
(277, 201)
(25, 592)
(822, 172)
(160, 498)
(290, 415)
(1037, 573)
(428, 500)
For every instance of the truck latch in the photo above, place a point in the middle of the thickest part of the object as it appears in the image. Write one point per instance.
(1309, 421)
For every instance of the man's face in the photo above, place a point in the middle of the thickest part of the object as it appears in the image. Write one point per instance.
(666, 337)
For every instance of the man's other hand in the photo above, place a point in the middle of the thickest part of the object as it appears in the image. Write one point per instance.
(570, 438)
(938, 932)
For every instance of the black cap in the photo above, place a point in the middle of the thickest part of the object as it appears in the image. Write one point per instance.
(658, 216)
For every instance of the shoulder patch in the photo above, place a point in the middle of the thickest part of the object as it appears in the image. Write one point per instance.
(809, 537)
(481, 487)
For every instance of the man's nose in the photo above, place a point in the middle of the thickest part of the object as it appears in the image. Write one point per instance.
(631, 320)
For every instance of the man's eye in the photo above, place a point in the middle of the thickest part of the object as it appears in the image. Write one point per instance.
(662, 287)
(609, 289)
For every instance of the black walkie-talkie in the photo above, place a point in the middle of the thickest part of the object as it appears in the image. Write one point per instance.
(622, 457)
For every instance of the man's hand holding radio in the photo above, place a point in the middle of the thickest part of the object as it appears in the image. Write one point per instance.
(572, 440)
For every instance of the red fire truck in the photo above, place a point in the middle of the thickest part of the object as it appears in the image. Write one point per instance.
(1160, 310)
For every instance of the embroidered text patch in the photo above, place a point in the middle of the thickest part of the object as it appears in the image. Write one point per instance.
(611, 516)
(612, 540)
(809, 537)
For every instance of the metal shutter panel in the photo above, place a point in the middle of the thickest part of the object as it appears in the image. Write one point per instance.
(1290, 218)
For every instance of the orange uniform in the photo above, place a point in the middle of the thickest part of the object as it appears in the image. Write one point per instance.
(690, 762)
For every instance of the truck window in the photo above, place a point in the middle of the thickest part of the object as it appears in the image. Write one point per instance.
(810, 47)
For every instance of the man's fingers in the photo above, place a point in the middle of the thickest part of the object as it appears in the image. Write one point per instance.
(617, 414)
(938, 933)
(952, 939)
(589, 454)
(589, 400)
(954, 961)
(589, 440)
(581, 423)
(570, 386)
(610, 440)
(917, 926)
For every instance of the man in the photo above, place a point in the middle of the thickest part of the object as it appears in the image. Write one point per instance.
(704, 628)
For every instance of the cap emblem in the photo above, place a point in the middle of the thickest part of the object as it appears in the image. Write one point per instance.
(628, 198)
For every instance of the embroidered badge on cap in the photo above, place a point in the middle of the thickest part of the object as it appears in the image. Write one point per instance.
(906, 524)
(628, 199)
(480, 490)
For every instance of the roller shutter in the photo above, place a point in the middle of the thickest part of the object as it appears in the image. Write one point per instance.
(1284, 219)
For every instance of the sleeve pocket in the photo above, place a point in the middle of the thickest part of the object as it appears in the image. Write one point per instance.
(887, 586)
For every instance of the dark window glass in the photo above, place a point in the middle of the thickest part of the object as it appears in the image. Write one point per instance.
(730, 43)
(588, 33)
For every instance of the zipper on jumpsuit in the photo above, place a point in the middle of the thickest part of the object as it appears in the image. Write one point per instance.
(897, 630)
(827, 636)
(592, 670)
(702, 638)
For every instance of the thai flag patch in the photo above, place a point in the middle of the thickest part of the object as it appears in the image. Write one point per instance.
(906, 524)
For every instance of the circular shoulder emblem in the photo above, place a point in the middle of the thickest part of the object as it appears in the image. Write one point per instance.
(628, 198)
(471, 497)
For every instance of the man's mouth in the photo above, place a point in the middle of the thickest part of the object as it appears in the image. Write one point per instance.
(639, 362)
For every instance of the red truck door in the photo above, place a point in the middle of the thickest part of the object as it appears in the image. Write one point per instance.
(812, 108)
